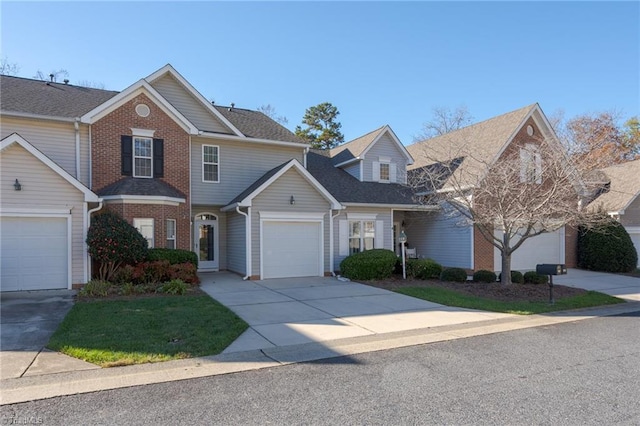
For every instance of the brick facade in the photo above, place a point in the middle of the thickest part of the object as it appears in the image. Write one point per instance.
(483, 252)
(106, 165)
(571, 247)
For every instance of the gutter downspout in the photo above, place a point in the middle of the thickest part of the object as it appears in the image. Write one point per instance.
(247, 240)
(331, 260)
(304, 157)
(87, 224)
(90, 161)
(76, 126)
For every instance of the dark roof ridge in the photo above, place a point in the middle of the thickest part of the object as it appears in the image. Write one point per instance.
(50, 83)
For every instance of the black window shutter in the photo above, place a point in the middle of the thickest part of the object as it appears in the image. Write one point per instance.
(158, 158)
(126, 155)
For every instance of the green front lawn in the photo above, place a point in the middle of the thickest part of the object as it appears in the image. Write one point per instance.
(123, 332)
(454, 298)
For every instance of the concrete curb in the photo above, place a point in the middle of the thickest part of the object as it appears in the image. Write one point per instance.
(30, 388)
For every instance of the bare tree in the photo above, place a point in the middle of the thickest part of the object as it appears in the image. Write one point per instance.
(8, 68)
(444, 120)
(91, 84)
(270, 111)
(530, 189)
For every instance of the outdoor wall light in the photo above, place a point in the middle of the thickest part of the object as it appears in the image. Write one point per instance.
(17, 186)
(292, 200)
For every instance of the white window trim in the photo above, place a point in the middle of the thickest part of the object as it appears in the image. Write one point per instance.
(362, 237)
(388, 164)
(134, 156)
(137, 223)
(217, 164)
(175, 232)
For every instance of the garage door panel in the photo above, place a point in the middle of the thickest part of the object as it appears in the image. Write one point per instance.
(291, 249)
(34, 253)
(544, 248)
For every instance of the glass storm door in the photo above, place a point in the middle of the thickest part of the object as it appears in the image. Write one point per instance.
(206, 241)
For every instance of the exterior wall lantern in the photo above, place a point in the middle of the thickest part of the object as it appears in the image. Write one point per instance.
(292, 200)
(17, 186)
(402, 238)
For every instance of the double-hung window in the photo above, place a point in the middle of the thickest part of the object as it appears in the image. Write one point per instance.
(210, 163)
(530, 164)
(142, 157)
(384, 172)
(171, 233)
(361, 235)
(145, 227)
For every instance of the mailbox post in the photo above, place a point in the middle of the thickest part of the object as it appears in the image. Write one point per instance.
(402, 238)
(551, 269)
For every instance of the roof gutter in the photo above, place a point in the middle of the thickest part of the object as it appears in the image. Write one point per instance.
(37, 116)
(251, 140)
(395, 206)
(345, 163)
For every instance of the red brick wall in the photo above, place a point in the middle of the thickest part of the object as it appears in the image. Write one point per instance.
(482, 252)
(570, 247)
(106, 164)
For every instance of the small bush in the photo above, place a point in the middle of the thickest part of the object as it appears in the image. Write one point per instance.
(516, 277)
(173, 256)
(484, 276)
(186, 272)
(424, 269)
(174, 287)
(124, 274)
(532, 277)
(607, 249)
(152, 272)
(454, 274)
(95, 288)
(374, 264)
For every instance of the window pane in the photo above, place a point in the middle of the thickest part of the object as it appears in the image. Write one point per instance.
(354, 229)
(384, 171)
(143, 167)
(142, 147)
(369, 229)
(368, 243)
(354, 245)
(211, 172)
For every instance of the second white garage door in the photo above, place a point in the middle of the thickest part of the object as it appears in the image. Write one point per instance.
(544, 248)
(291, 249)
(34, 253)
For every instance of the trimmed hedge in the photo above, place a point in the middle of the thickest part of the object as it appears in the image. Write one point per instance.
(484, 276)
(607, 249)
(454, 274)
(516, 277)
(373, 264)
(424, 269)
(532, 277)
(174, 256)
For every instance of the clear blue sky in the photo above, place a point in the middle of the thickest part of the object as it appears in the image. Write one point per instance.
(378, 62)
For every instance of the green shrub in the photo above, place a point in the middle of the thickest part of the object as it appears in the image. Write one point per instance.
(123, 274)
(152, 272)
(112, 242)
(424, 269)
(532, 277)
(174, 287)
(374, 264)
(516, 277)
(174, 256)
(454, 274)
(95, 288)
(484, 276)
(608, 249)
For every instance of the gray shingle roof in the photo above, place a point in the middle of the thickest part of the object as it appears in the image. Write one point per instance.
(138, 186)
(354, 148)
(28, 96)
(255, 124)
(347, 189)
(623, 188)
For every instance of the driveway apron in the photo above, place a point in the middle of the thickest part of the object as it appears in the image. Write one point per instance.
(290, 311)
(622, 286)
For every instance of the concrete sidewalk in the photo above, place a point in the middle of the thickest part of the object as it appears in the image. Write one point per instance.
(293, 311)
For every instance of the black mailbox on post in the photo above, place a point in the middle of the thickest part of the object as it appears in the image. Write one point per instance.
(551, 269)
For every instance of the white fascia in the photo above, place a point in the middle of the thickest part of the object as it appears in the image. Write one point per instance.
(145, 199)
(251, 140)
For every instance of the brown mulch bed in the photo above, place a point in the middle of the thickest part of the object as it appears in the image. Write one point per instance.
(495, 291)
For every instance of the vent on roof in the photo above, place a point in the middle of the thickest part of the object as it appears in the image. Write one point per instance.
(66, 81)
(51, 77)
(231, 107)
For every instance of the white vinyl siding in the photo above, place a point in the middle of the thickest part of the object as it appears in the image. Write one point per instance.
(631, 216)
(56, 140)
(384, 151)
(436, 236)
(276, 198)
(243, 164)
(189, 106)
(236, 246)
(354, 169)
(145, 227)
(210, 163)
(142, 157)
(171, 234)
(44, 189)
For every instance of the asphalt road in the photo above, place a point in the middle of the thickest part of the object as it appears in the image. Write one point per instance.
(580, 373)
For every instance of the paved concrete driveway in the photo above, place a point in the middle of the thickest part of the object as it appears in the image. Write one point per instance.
(27, 321)
(621, 286)
(292, 311)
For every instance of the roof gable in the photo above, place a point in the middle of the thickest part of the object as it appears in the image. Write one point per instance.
(357, 148)
(624, 188)
(15, 138)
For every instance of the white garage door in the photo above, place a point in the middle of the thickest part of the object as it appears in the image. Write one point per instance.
(291, 249)
(544, 248)
(635, 237)
(34, 253)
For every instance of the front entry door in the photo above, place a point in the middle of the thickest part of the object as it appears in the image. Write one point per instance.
(206, 241)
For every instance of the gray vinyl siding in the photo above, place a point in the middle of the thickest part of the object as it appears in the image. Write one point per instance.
(236, 247)
(436, 236)
(241, 164)
(42, 188)
(188, 105)
(354, 169)
(222, 230)
(383, 214)
(631, 216)
(384, 147)
(55, 139)
(276, 198)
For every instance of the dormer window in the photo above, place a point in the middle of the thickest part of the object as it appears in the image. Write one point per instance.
(384, 172)
(142, 157)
